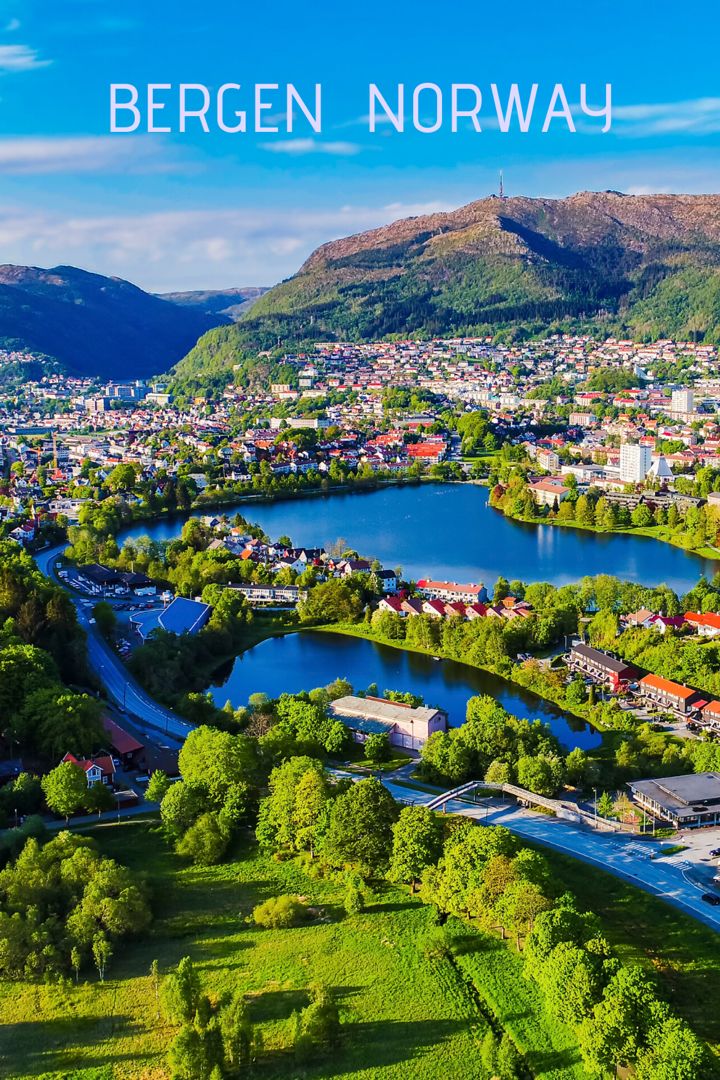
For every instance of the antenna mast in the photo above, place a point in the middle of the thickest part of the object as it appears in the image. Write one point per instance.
(502, 186)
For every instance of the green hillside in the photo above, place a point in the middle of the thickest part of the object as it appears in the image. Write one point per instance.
(646, 266)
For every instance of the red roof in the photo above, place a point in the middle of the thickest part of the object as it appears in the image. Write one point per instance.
(703, 619)
(667, 686)
(120, 740)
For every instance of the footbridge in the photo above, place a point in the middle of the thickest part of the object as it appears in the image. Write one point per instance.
(567, 810)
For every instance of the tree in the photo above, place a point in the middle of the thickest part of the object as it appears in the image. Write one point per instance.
(76, 962)
(158, 786)
(332, 601)
(360, 827)
(674, 1053)
(63, 722)
(65, 789)
(214, 761)
(377, 747)
(541, 774)
(102, 953)
(204, 843)
(291, 815)
(236, 1030)
(417, 843)
(105, 617)
(182, 804)
(605, 805)
(575, 693)
(98, 798)
(180, 992)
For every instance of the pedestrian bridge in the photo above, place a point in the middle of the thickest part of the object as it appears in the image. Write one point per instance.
(567, 810)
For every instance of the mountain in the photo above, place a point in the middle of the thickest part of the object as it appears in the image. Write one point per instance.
(643, 265)
(230, 302)
(94, 325)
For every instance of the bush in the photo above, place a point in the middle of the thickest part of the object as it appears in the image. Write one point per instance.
(280, 912)
(204, 842)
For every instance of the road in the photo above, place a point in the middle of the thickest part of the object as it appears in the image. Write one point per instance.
(624, 856)
(122, 689)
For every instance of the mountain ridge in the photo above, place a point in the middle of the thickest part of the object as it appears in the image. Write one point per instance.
(103, 327)
(642, 265)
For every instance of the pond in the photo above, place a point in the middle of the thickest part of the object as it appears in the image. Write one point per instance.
(305, 660)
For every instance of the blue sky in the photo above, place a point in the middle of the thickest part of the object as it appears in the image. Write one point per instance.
(214, 210)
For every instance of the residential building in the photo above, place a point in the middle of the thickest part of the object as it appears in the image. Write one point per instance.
(98, 770)
(600, 665)
(406, 726)
(548, 492)
(706, 624)
(450, 590)
(682, 401)
(635, 462)
(666, 693)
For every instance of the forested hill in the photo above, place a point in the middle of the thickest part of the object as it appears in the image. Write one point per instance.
(645, 265)
(95, 325)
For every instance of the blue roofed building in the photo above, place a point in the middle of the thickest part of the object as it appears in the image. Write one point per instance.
(182, 616)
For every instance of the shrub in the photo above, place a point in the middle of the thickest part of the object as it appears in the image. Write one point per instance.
(279, 912)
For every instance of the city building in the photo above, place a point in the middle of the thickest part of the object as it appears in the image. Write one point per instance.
(600, 665)
(450, 591)
(684, 801)
(666, 693)
(635, 462)
(548, 492)
(406, 726)
(682, 401)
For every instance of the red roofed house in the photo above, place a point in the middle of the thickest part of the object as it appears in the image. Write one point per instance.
(668, 694)
(436, 608)
(392, 604)
(547, 492)
(707, 625)
(121, 742)
(98, 770)
(450, 591)
(711, 713)
(431, 451)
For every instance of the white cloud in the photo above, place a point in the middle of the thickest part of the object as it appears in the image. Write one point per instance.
(312, 146)
(700, 116)
(189, 249)
(15, 58)
(82, 153)
(11, 26)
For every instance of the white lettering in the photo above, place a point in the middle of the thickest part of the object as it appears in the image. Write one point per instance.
(239, 113)
(263, 106)
(314, 119)
(472, 113)
(200, 113)
(514, 104)
(606, 111)
(563, 111)
(397, 119)
(130, 106)
(155, 106)
(436, 124)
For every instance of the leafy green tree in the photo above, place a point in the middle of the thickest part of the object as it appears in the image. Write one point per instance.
(674, 1053)
(360, 826)
(236, 1030)
(542, 774)
(63, 722)
(204, 843)
(105, 618)
(65, 789)
(158, 786)
(180, 992)
(332, 601)
(182, 804)
(417, 843)
(377, 747)
(98, 798)
(102, 953)
(215, 761)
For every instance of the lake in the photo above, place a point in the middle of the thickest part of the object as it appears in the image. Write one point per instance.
(305, 660)
(449, 531)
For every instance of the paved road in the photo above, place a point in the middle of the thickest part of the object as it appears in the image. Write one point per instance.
(111, 672)
(626, 857)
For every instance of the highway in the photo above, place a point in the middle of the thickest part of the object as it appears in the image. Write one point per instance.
(121, 687)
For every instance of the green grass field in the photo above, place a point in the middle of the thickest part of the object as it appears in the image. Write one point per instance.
(404, 1015)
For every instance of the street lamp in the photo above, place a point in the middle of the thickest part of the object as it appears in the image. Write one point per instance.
(595, 794)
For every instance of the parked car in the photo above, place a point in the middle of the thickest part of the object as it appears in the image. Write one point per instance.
(715, 852)
(711, 898)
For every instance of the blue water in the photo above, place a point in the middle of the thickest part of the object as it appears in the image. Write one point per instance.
(449, 531)
(309, 659)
